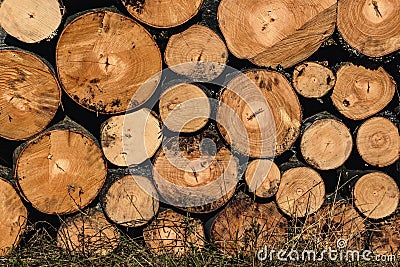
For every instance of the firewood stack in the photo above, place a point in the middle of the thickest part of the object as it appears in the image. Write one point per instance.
(222, 121)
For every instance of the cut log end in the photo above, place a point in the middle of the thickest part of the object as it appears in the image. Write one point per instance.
(313, 80)
(371, 27)
(173, 233)
(60, 171)
(360, 93)
(118, 75)
(88, 234)
(301, 192)
(263, 178)
(132, 138)
(13, 219)
(29, 95)
(326, 144)
(197, 53)
(30, 21)
(184, 108)
(131, 201)
(378, 142)
(376, 195)
(163, 14)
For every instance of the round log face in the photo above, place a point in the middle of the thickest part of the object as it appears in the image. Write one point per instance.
(263, 178)
(301, 192)
(173, 233)
(326, 144)
(360, 93)
(378, 142)
(260, 115)
(29, 95)
(107, 62)
(30, 21)
(163, 13)
(245, 226)
(376, 195)
(313, 80)
(198, 53)
(88, 234)
(13, 219)
(132, 138)
(184, 108)
(371, 27)
(276, 32)
(131, 201)
(60, 171)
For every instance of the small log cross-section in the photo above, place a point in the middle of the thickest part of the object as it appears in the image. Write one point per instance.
(376, 195)
(278, 32)
(29, 94)
(326, 144)
(108, 63)
(301, 192)
(244, 226)
(193, 175)
(260, 114)
(378, 142)
(333, 222)
(31, 21)
(174, 233)
(263, 178)
(370, 26)
(132, 138)
(197, 53)
(360, 93)
(184, 108)
(88, 233)
(164, 13)
(13, 218)
(312, 79)
(130, 201)
(61, 170)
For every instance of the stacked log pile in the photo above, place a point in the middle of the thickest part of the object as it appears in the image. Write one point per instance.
(191, 122)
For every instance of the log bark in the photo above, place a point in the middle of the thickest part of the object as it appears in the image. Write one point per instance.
(378, 142)
(264, 105)
(244, 226)
(277, 32)
(163, 14)
(129, 200)
(376, 195)
(61, 170)
(132, 138)
(360, 92)
(263, 178)
(184, 108)
(301, 192)
(312, 79)
(197, 53)
(14, 214)
(88, 233)
(30, 94)
(31, 21)
(118, 71)
(194, 174)
(371, 27)
(174, 233)
(326, 142)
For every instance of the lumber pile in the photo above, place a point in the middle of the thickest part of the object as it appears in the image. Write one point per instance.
(190, 121)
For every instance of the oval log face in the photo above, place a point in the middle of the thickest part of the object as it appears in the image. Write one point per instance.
(108, 63)
(29, 95)
(60, 171)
